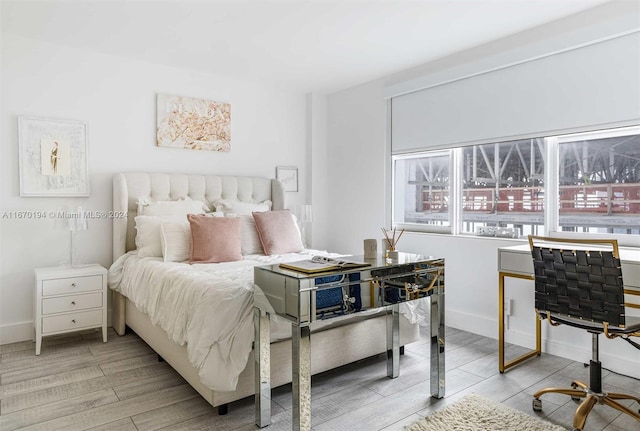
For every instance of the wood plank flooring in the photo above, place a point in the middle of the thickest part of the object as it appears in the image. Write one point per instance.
(79, 383)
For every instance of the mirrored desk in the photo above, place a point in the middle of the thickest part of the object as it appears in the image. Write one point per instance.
(516, 262)
(302, 299)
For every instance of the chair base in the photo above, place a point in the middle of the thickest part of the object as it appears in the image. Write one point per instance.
(580, 390)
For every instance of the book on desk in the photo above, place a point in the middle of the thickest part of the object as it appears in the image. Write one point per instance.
(319, 264)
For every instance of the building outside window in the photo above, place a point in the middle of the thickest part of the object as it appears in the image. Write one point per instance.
(502, 187)
(499, 188)
(421, 189)
(599, 182)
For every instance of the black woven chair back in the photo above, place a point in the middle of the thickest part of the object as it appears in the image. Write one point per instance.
(579, 283)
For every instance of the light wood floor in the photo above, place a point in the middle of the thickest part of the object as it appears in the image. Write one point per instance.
(79, 383)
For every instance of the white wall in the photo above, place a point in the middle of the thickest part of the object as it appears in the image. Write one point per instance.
(116, 97)
(355, 184)
(317, 166)
(354, 180)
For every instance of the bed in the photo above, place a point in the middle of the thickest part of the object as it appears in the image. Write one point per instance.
(332, 345)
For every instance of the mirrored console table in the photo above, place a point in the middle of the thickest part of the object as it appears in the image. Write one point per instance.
(341, 294)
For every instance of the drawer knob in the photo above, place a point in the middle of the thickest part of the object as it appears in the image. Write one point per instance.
(73, 302)
(73, 321)
(73, 285)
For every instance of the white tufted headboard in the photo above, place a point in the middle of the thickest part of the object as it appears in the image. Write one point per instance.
(129, 187)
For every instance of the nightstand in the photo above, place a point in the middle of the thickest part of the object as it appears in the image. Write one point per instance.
(69, 299)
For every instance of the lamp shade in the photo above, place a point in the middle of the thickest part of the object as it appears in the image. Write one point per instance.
(70, 219)
(78, 220)
(305, 214)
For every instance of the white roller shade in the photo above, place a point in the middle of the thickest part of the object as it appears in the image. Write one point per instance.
(580, 89)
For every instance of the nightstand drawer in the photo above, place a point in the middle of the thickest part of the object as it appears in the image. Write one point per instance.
(71, 285)
(71, 321)
(61, 304)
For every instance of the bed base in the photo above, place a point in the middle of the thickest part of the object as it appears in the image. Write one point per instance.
(330, 348)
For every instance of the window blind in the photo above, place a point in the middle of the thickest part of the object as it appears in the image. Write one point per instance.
(579, 89)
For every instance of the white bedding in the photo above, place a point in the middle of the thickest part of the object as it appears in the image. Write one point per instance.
(210, 307)
(207, 306)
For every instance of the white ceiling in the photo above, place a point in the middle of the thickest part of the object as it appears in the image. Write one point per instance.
(306, 45)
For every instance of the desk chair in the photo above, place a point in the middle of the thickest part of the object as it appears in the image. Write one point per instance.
(579, 283)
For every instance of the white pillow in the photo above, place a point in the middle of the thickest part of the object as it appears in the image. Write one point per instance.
(175, 238)
(249, 240)
(148, 240)
(241, 208)
(170, 208)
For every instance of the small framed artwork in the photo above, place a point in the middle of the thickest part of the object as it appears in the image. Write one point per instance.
(53, 157)
(288, 176)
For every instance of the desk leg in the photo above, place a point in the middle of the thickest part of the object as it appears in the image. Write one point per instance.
(301, 377)
(437, 344)
(393, 341)
(501, 322)
(502, 363)
(262, 364)
(372, 292)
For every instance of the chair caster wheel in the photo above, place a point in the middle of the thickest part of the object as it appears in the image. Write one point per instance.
(576, 399)
(536, 405)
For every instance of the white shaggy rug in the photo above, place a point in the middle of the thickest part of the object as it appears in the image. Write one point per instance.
(474, 413)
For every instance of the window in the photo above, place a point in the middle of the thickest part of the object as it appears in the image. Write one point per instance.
(592, 183)
(421, 189)
(502, 188)
(599, 182)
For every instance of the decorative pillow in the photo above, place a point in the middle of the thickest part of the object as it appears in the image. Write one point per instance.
(278, 232)
(214, 239)
(241, 208)
(170, 208)
(175, 238)
(250, 239)
(148, 238)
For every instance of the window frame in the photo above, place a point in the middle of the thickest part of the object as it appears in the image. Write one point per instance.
(552, 178)
(418, 227)
(551, 212)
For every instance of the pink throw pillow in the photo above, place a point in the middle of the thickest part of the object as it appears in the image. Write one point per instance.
(278, 232)
(214, 239)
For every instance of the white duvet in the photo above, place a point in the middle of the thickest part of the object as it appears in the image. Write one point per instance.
(210, 308)
(207, 306)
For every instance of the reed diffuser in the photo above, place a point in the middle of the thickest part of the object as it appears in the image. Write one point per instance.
(391, 239)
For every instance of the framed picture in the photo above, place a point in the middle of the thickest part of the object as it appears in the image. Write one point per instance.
(196, 124)
(53, 157)
(288, 176)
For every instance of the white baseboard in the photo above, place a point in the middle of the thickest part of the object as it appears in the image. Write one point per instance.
(481, 325)
(471, 323)
(16, 332)
(23, 331)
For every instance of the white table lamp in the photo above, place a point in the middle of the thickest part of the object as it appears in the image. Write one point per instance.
(72, 220)
(305, 215)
